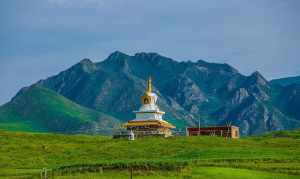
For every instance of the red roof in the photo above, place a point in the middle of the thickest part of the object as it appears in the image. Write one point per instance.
(210, 128)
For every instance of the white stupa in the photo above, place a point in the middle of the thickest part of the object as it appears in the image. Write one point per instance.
(149, 110)
(148, 119)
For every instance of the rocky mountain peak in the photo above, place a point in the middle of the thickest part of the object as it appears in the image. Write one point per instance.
(87, 65)
(258, 86)
(86, 61)
(116, 56)
(257, 77)
(217, 66)
(153, 58)
(117, 61)
(146, 55)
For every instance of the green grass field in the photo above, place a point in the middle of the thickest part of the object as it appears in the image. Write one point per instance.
(24, 155)
(195, 172)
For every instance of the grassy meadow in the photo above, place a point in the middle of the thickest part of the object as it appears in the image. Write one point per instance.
(24, 155)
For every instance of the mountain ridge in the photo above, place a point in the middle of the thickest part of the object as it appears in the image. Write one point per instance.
(286, 81)
(216, 94)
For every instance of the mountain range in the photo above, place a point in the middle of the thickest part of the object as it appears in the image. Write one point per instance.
(97, 96)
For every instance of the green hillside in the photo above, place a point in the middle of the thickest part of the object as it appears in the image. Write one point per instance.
(39, 109)
(265, 157)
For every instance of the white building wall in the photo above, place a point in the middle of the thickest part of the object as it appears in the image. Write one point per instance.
(148, 116)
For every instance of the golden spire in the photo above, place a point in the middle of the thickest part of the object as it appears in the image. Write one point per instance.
(149, 85)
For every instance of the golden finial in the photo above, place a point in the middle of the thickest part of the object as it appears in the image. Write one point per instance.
(149, 85)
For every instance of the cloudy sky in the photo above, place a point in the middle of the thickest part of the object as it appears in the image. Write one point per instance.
(39, 38)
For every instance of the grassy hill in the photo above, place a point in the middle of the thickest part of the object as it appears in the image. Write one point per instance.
(39, 109)
(273, 155)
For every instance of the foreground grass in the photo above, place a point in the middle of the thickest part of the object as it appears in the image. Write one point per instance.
(195, 172)
(28, 153)
(187, 173)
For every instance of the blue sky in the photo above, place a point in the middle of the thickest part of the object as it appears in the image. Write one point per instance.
(39, 38)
